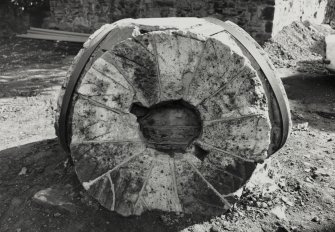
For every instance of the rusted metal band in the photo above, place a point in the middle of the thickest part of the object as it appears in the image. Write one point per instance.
(73, 80)
(249, 44)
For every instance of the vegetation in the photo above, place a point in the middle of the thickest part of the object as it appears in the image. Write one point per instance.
(29, 5)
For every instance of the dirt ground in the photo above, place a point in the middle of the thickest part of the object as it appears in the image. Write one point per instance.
(297, 191)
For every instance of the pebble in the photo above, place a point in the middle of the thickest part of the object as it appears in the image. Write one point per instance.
(309, 180)
(264, 205)
(57, 214)
(287, 201)
(23, 171)
(302, 126)
(316, 219)
(215, 229)
(294, 228)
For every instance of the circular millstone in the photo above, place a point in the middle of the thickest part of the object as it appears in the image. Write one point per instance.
(170, 119)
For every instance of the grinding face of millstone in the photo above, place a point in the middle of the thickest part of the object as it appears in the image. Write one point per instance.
(115, 160)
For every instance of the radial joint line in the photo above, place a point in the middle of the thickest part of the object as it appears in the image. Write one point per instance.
(96, 103)
(187, 91)
(126, 58)
(227, 153)
(154, 44)
(88, 184)
(224, 171)
(220, 89)
(104, 74)
(153, 163)
(231, 118)
(209, 185)
(139, 42)
(211, 205)
(113, 191)
(106, 141)
(122, 73)
(175, 188)
(171, 126)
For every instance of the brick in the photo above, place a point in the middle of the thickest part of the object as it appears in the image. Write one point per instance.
(268, 13)
(268, 27)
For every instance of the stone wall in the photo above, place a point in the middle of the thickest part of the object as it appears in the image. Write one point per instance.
(330, 14)
(11, 22)
(261, 18)
(255, 16)
(288, 11)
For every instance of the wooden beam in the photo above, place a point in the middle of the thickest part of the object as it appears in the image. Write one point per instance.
(78, 39)
(58, 31)
(55, 34)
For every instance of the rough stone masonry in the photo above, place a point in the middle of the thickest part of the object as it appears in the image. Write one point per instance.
(260, 18)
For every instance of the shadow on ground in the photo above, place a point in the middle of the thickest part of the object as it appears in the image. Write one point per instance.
(46, 166)
(31, 82)
(315, 98)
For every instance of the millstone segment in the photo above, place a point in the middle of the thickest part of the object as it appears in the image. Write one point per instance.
(169, 117)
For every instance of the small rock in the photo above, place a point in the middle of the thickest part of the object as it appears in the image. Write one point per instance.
(18, 230)
(264, 205)
(302, 126)
(23, 171)
(329, 140)
(282, 229)
(294, 229)
(279, 212)
(215, 229)
(266, 196)
(316, 219)
(321, 172)
(258, 204)
(309, 180)
(287, 201)
(57, 214)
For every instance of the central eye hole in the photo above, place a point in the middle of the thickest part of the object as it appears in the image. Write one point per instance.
(168, 126)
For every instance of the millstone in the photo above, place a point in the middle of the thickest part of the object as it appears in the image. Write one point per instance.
(169, 114)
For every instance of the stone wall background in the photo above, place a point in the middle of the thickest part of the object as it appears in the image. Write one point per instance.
(255, 16)
(261, 18)
(288, 11)
(330, 13)
(11, 22)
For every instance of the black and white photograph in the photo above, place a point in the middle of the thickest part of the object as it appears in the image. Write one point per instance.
(167, 115)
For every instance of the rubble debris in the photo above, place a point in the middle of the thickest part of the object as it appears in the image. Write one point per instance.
(23, 171)
(300, 46)
(279, 212)
(301, 127)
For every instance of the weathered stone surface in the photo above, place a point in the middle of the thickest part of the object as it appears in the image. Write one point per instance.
(177, 57)
(170, 119)
(56, 196)
(219, 64)
(92, 121)
(138, 66)
(246, 137)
